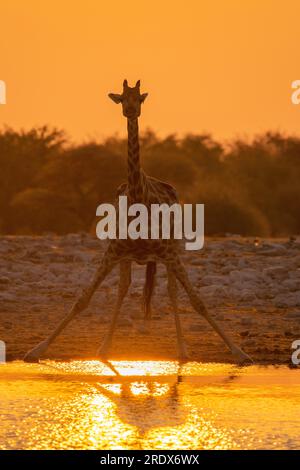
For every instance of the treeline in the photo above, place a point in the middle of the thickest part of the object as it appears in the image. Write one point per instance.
(50, 185)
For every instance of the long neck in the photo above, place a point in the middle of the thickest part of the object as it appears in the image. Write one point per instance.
(135, 180)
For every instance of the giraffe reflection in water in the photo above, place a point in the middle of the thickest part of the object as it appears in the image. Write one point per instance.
(140, 403)
(148, 405)
(160, 411)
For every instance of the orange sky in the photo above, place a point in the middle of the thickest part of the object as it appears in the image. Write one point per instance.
(223, 66)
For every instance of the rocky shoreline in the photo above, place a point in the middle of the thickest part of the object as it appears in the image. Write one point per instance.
(251, 286)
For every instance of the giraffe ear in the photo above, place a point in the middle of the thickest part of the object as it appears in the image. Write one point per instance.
(143, 97)
(115, 97)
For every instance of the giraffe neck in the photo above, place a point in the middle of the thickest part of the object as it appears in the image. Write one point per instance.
(135, 177)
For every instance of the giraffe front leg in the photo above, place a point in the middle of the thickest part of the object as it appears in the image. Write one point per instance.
(147, 296)
(80, 304)
(199, 306)
(149, 288)
(172, 289)
(125, 281)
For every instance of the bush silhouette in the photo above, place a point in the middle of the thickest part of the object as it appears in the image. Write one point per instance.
(49, 185)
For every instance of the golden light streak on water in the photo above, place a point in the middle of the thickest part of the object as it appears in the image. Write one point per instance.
(149, 405)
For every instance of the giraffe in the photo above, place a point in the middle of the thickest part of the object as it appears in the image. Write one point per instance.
(140, 188)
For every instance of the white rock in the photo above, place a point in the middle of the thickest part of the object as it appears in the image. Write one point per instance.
(294, 274)
(291, 284)
(283, 301)
(273, 250)
(82, 257)
(213, 290)
(235, 276)
(247, 296)
(242, 263)
(214, 279)
(227, 269)
(8, 297)
(243, 275)
(276, 272)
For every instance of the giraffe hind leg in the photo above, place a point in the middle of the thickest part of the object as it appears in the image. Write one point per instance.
(149, 288)
(198, 305)
(172, 289)
(147, 295)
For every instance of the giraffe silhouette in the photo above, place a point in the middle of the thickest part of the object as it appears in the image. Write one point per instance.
(140, 188)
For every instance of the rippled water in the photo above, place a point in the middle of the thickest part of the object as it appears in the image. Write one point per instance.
(148, 405)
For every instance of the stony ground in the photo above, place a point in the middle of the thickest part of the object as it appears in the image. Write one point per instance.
(251, 287)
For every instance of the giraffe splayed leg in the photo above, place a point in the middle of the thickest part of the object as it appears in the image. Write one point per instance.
(181, 274)
(81, 303)
(172, 288)
(147, 296)
(125, 281)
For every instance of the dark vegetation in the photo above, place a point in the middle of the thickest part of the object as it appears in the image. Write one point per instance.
(49, 185)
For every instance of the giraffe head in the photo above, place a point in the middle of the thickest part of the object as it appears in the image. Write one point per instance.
(131, 100)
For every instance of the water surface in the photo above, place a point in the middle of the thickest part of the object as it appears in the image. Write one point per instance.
(148, 405)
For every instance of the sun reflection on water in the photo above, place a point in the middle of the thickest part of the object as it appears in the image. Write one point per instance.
(148, 405)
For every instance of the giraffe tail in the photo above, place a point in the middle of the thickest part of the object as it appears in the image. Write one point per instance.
(149, 287)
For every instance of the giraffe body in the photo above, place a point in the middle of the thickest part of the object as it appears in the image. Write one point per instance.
(143, 251)
(140, 188)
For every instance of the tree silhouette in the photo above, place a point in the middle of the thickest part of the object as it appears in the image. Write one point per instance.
(249, 187)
